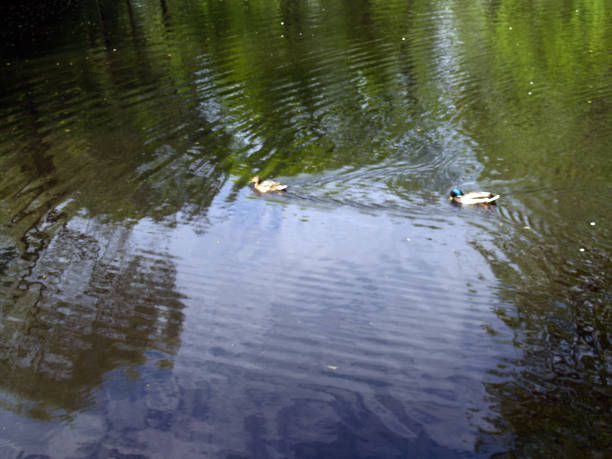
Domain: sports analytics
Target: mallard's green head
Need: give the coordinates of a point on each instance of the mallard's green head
(455, 192)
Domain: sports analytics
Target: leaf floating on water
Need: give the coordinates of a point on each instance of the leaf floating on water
(526, 227)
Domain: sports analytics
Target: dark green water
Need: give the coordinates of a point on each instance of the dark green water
(152, 305)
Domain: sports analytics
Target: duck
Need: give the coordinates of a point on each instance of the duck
(472, 198)
(267, 186)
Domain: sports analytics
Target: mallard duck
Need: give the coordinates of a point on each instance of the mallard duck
(267, 186)
(472, 198)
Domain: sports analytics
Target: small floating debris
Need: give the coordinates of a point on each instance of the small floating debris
(592, 223)
(526, 227)
(581, 249)
(332, 367)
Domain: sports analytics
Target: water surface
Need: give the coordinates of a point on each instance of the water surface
(154, 305)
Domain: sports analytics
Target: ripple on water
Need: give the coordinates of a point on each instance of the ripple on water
(324, 314)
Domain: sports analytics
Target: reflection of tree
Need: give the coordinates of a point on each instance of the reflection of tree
(300, 97)
(36, 178)
(556, 399)
(75, 304)
(66, 148)
(31, 24)
(88, 306)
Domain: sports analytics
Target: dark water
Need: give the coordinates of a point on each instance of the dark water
(152, 305)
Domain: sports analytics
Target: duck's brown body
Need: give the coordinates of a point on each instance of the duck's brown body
(267, 186)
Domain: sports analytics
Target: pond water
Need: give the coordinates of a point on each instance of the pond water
(153, 305)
